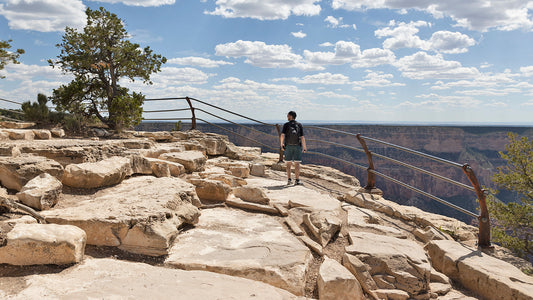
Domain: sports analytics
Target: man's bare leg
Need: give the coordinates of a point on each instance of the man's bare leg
(297, 170)
(289, 165)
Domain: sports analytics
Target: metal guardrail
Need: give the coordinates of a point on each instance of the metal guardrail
(483, 217)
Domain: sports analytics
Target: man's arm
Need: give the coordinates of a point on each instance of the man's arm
(304, 147)
(281, 139)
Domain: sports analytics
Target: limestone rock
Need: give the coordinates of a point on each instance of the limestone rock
(57, 132)
(140, 215)
(242, 244)
(115, 279)
(42, 134)
(175, 169)
(235, 202)
(430, 233)
(4, 135)
(487, 276)
(9, 150)
(193, 161)
(360, 271)
(365, 220)
(211, 190)
(228, 179)
(327, 223)
(41, 192)
(16, 125)
(40, 244)
(213, 146)
(21, 134)
(15, 172)
(403, 259)
(335, 282)
(440, 288)
(141, 165)
(251, 194)
(106, 172)
(257, 169)
(391, 294)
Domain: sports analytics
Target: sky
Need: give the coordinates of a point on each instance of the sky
(369, 61)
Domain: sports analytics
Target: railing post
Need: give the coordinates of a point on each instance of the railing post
(371, 178)
(483, 218)
(193, 120)
(280, 148)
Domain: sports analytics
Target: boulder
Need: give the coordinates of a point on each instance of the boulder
(361, 272)
(115, 279)
(403, 260)
(213, 146)
(193, 161)
(106, 172)
(235, 202)
(251, 194)
(430, 233)
(365, 220)
(140, 215)
(243, 244)
(336, 282)
(228, 179)
(242, 171)
(4, 135)
(21, 134)
(328, 225)
(42, 134)
(140, 165)
(57, 132)
(42, 192)
(9, 150)
(257, 169)
(211, 190)
(391, 294)
(15, 172)
(42, 244)
(485, 275)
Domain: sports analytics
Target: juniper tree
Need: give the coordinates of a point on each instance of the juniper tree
(7, 56)
(99, 56)
(514, 221)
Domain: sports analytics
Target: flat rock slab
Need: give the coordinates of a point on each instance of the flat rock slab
(402, 259)
(193, 161)
(114, 279)
(242, 244)
(140, 215)
(294, 196)
(98, 174)
(365, 220)
(15, 172)
(42, 244)
(487, 276)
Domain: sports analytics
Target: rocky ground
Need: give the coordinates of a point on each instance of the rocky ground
(188, 215)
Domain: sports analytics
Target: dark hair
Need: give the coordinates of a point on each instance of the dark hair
(292, 113)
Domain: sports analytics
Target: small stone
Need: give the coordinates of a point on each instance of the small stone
(257, 170)
(251, 194)
(57, 132)
(193, 161)
(211, 190)
(42, 134)
(106, 172)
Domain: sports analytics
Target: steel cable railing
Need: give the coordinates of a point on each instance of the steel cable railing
(484, 222)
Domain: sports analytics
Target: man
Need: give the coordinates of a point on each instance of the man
(292, 142)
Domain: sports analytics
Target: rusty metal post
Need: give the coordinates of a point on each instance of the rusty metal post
(193, 119)
(280, 148)
(371, 178)
(483, 218)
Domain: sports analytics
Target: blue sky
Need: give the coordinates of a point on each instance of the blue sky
(415, 61)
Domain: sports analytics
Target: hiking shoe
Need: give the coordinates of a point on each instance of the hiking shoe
(297, 182)
(289, 182)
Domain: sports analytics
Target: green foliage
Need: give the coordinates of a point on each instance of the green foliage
(98, 57)
(177, 126)
(38, 111)
(7, 56)
(513, 226)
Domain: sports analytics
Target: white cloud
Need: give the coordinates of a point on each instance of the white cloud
(176, 76)
(326, 44)
(320, 78)
(404, 35)
(480, 15)
(424, 66)
(265, 9)
(348, 52)
(337, 22)
(527, 71)
(483, 80)
(262, 55)
(144, 3)
(24, 72)
(438, 102)
(450, 42)
(376, 79)
(485, 65)
(299, 34)
(198, 62)
(43, 15)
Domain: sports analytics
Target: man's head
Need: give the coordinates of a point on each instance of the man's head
(291, 115)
